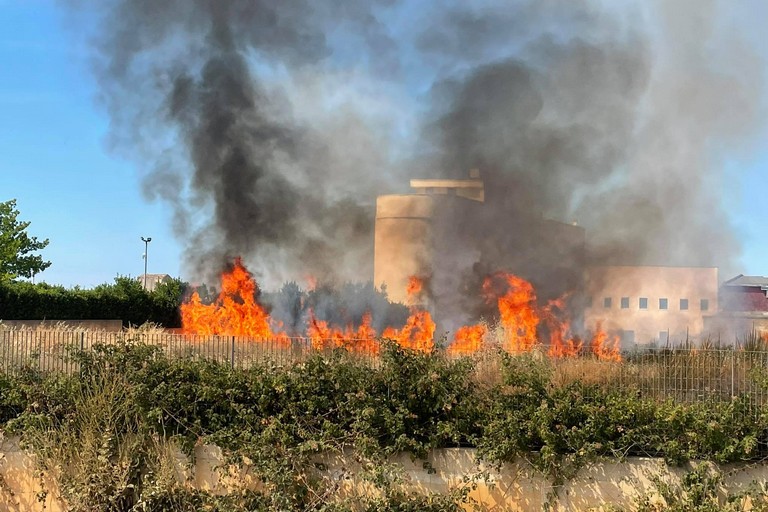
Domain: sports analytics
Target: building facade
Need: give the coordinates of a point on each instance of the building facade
(151, 281)
(743, 309)
(650, 304)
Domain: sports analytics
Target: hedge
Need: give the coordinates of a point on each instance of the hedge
(125, 300)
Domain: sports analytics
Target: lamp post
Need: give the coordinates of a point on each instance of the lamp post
(146, 250)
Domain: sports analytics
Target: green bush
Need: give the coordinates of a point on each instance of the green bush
(278, 420)
(126, 300)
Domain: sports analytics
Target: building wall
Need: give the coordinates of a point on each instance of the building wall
(743, 298)
(728, 327)
(651, 324)
(153, 280)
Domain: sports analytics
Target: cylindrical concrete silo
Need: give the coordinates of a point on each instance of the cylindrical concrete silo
(402, 242)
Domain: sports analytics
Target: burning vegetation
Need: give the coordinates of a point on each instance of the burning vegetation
(525, 325)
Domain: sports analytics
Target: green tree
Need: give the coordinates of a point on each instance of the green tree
(16, 246)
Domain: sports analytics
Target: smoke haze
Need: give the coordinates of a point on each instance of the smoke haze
(270, 127)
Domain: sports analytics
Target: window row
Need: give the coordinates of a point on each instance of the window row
(642, 303)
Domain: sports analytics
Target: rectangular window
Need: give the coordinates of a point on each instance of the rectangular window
(607, 302)
(683, 304)
(625, 303)
(643, 302)
(663, 336)
(704, 304)
(589, 301)
(663, 304)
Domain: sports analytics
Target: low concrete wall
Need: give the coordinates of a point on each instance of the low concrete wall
(513, 487)
(91, 325)
(22, 488)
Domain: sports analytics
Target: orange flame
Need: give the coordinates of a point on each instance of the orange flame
(362, 339)
(418, 333)
(517, 308)
(468, 339)
(415, 286)
(605, 349)
(415, 290)
(235, 311)
(556, 318)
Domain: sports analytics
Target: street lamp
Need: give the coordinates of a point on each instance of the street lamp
(146, 249)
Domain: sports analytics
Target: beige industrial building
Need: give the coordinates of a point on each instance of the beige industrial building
(454, 232)
(646, 304)
(451, 230)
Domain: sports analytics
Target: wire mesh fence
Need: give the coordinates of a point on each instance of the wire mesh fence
(685, 374)
(54, 351)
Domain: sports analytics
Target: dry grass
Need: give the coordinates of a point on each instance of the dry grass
(99, 457)
(588, 370)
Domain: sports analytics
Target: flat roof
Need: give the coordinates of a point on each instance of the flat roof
(444, 183)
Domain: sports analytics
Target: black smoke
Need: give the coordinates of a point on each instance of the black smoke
(270, 127)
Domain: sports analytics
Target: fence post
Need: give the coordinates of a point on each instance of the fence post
(82, 341)
(233, 351)
(733, 357)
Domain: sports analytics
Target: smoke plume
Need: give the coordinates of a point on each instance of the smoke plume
(270, 127)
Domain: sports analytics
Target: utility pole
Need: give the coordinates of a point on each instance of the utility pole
(146, 250)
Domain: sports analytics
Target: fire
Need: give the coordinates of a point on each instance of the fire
(235, 311)
(468, 339)
(561, 343)
(362, 339)
(569, 348)
(605, 349)
(517, 308)
(418, 333)
(415, 287)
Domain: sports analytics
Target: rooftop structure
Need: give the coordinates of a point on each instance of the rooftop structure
(472, 188)
(153, 280)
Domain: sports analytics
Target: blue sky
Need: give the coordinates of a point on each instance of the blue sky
(55, 162)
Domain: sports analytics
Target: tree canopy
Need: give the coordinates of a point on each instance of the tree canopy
(17, 247)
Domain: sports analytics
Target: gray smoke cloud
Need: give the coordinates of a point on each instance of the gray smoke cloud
(263, 143)
(270, 127)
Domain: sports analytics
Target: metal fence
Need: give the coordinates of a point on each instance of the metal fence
(53, 351)
(682, 374)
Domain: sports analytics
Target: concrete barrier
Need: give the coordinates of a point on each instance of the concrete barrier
(609, 484)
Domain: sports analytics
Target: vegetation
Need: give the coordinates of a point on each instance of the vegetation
(341, 305)
(16, 246)
(125, 299)
(107, 432)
